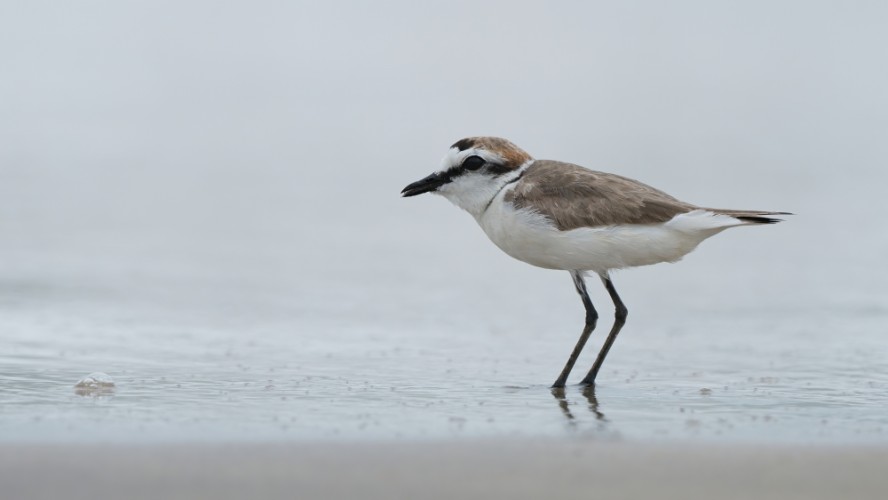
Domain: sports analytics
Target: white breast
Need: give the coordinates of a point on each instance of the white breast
(532, 238)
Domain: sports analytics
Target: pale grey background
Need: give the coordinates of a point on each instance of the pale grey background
(209, 190)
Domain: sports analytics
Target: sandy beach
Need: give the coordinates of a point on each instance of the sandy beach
(488, 469)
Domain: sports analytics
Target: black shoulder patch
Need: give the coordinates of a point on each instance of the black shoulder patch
(499, 168)
(463, 144)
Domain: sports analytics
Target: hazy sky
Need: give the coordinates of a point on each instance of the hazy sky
(714, 86)
(157, 128)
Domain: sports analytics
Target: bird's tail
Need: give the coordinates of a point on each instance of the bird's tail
(750, 216)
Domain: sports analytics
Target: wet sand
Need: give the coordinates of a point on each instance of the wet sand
(487, 469)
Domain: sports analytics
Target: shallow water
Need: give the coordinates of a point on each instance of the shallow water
(215, 224)
(725, 375)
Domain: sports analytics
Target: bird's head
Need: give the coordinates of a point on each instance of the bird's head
(472, 172)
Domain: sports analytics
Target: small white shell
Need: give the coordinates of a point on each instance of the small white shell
(94, 384)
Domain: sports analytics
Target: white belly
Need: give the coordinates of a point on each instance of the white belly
(532, 238)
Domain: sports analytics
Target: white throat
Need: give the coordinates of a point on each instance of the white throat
(474, 191)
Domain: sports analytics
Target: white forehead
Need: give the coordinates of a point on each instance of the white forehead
(455, 157)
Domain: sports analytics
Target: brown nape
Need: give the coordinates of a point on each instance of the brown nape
(572, 197)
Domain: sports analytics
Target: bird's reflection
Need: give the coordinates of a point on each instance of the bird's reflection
(558, 392)
(588, 392)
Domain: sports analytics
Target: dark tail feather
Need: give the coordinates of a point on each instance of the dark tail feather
(756, 219)
(751, 216)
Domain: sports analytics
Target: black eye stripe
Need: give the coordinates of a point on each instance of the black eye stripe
(473, 163)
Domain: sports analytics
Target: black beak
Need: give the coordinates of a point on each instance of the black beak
(426, 185)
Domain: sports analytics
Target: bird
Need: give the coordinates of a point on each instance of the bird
(558, 215)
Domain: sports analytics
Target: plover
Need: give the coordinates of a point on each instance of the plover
(557, 215)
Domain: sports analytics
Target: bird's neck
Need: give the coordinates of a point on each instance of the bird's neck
(474, 194)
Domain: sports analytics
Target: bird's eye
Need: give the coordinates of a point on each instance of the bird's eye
(473, 163)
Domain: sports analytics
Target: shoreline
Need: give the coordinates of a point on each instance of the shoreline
(511, 469)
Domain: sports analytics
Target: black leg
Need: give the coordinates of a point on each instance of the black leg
(620, 313)
(591, 319)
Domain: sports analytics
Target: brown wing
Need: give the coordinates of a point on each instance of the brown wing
(573, 196)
